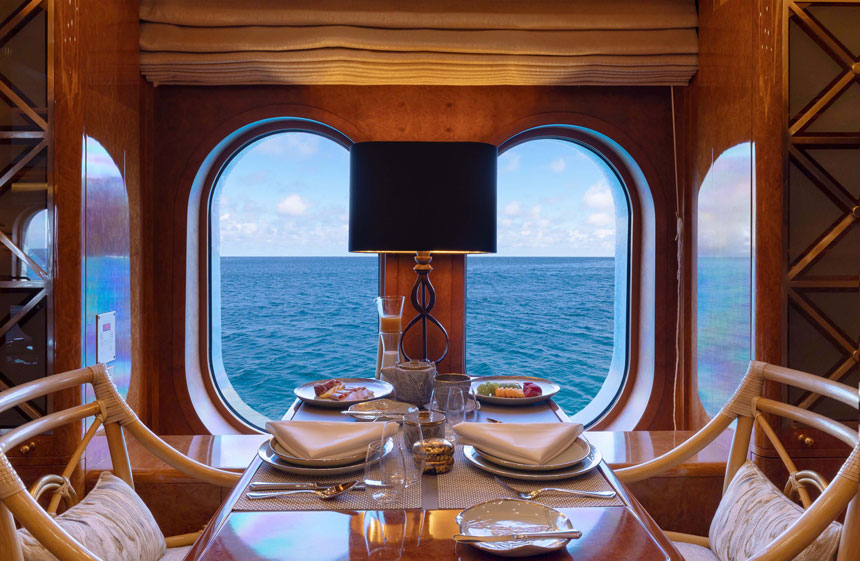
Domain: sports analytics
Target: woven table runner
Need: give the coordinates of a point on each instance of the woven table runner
(351, 500)
(467, 485)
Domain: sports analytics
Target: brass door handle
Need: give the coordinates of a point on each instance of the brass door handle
(27, 448)
(807, 441)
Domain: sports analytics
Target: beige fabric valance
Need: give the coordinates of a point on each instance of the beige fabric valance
(485, 42)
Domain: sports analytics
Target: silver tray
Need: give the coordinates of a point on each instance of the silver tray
(548, 387)
(589, 463)
(379, 388)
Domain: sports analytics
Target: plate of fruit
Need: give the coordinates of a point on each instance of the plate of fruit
(513, 390)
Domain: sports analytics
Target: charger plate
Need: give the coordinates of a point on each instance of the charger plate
(509, 516)
(269, 457)
(283, 454)
(379, 388)
(575, 453)
(591, 461)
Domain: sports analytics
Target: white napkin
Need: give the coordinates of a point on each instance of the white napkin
(325, 440)
(525, 443)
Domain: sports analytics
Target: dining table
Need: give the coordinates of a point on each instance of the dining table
(422, 528)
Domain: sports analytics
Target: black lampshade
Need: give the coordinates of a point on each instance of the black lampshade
(422, 196)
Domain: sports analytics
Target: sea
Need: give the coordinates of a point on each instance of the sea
(289, 320)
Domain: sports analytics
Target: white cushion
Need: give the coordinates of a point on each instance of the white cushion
(176, 553)
(692, 552)
(753, 512)
(111, 521)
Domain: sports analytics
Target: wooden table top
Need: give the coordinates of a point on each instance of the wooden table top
(609, 533)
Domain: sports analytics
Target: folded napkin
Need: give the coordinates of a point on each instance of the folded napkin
(326, 440)
(525, 443)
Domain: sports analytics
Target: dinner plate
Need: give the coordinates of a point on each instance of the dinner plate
(589, 463)
(548, 387)
(269, 457)
(283, 454)
(379, 389)
(572, 455)
(510, 516)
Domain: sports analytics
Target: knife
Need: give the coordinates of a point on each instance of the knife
(286, 486)
(562, 534)
(373, 413)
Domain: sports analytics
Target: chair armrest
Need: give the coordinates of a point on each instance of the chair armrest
(182, 540)
(679, 455)
(178, 460)
(688, 538)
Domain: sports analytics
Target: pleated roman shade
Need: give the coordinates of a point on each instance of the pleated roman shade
(429, 42)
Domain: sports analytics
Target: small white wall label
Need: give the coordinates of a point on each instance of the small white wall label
(106, 337)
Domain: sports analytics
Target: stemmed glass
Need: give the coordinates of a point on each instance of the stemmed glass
(385, 470)
(452, 403)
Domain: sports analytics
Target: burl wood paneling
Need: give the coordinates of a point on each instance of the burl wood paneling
(187, 122)
(713, 114)
(111, 123)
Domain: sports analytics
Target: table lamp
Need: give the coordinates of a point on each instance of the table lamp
(422, 198)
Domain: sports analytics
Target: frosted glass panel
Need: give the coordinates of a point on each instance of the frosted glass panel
(724, 276)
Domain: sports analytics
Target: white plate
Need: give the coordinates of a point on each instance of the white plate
(509, 516)
(379, 388)
(574, 454)
(589, 463)
(268, 456)
(388, 405)
(548, 387)
(282, 453)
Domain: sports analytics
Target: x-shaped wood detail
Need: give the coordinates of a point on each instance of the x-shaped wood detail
(38, 134)
(837, 51)
(848, 204)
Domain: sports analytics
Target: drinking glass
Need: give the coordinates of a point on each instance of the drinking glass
(385, 471)
(411, 439)
(455, 411)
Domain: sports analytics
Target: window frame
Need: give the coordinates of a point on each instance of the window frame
(613, 386)
(644, 389)
(209, 317)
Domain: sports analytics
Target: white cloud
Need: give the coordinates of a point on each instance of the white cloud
(512, 208)
(509, 162)
(599, 219)
(292, 205)
(301, 145)
(558, 165)
(598, 196)
(604, 233)
(535, 211)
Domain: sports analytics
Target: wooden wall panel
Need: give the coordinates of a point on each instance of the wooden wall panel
(187, 122)
(96, 95)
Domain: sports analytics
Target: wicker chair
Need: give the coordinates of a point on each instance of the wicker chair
(747, 406)
(108, 410)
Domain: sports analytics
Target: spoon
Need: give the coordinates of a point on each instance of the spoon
(324, 494)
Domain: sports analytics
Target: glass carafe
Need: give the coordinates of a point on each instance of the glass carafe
(390, 309)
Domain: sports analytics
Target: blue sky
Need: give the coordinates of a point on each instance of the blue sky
(287, 194)
(724, 205)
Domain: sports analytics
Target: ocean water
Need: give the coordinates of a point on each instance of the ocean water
(288, 320)
(723, 327)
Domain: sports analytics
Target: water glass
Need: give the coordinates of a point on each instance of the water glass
(411, 439)
(455, 411)
(385, 471)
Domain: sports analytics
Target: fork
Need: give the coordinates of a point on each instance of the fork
(532, 494)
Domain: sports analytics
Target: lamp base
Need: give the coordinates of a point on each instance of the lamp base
(423, 299)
